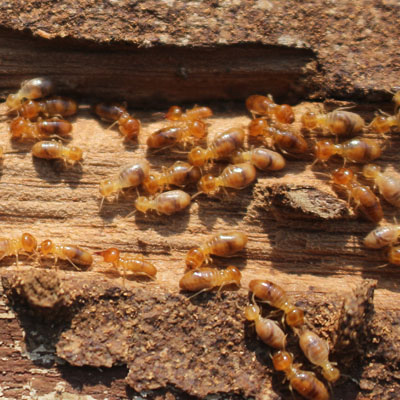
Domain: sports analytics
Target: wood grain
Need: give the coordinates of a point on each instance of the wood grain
(296, 238)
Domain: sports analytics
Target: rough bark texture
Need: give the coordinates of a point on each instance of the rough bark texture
(293, 50)
(66, 333)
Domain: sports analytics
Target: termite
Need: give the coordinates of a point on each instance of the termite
(223, 244)
(267, 329)
(388, 184)
(360, 150)
(134, 265)
(274, 295)
(179, 174)
(261, 158)
(13, 247)
(382, 236)
(285, 139)
(224, 144)
(175, 113)
(304, 382)
(56, 150)
(53, 106)
(128, 126)
(237, 176)
(32, 89)
(337, 122)
(73, 254)
(166, 203)
(23, 129)
(263, 105)
(204, 279)
(317, 352)
(362, 195)
(130, 176)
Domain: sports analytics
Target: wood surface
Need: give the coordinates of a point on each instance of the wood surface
(302, 235)
(70, 334)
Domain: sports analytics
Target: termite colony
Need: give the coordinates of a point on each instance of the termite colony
(39, 117)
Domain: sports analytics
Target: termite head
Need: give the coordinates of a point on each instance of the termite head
(150, 184)
(46, 247)
(257, 126)
(13, 101)
(75, 153)
(195, 258)
(235, 274)
(295, 317)
(198, 129)
(174, 113)
(29, 243)
(110, 255)
(309, 120)
(197, 156)
(342, 176)
(282, 360)
(207, 184)
(394, 255)
(284, 113)
(331, 373)
(107, 187)
(371, 171)
(18, 126)
(143, 204)
(324, 149)
(252, 312)
(259, 104)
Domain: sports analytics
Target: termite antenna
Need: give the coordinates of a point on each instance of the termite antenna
(199, 292)
(130, 214)
(322, 174)
(196, 194)
(381, 266)
(112, 125)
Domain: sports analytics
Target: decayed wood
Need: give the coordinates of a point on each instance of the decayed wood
(301, 235)
(352, 46)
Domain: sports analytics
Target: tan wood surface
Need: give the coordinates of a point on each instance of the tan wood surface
(312, 247)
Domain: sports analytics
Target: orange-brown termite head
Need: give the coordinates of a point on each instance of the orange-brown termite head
(108, 187)
(252, 312)
(198, 129)
(258, 126)
(284, 113)
(28, 242)
(110, 255)
(129, 126)
(342, 176)
(394, 255)
(294, 316)
(258, 104)
(207, 184)
(75, 153)
(194, 258)
(197, 156)
(174, 113)
(282, 360)
(46, 247)
(309, 120)
(324, 150)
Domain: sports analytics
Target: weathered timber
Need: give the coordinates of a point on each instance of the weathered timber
(302, 235)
